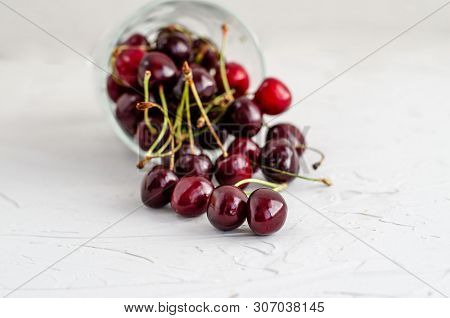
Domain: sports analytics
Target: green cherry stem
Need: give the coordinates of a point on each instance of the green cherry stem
(165, 122)
(188, 115)
(223, 70)
(275, 186)
(325, 181)
(188, 76)
(147, 76)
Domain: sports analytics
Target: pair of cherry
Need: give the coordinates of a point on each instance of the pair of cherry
(227, 206)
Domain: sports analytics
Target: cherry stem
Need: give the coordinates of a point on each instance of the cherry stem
(317, 164)
(147, 76)
(165, 122)
(188, 115)
(223, 70)
(188, 76)
(325, 181)
(275, 186)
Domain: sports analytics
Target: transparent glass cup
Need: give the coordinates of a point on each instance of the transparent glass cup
(203, 19)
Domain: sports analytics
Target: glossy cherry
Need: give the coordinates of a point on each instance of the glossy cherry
(191, 195)
(127, 114)
(205, 53)
(163, 69)
(273, 97)
(194, 165)
(207, 141)
(280, 155)
(126, 66)
(185, 149)
(237, 76)
(234, 168)
(247, 147)
(157, 187)
(203, 81)
(136, 39)
(289, 132)
(227, 207)
(243, 118)
(115, 90)
(175, 44)
(266, 211)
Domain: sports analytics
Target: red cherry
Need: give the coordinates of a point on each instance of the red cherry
(160, 65)
(234, 168)
(289, 132)
(203, 81)
(157, 187)
(237, 76)
(127, 114)
(175, 44)
(267, 211)
(227, 208)
(127, 64)
(248, 148)
(115, 90)
(136, 39)
(205, 53)
(243, 118)
(207, 141)
(273, 97)
(279, 154)
(194, 165)
(190, 196)
(185, 149)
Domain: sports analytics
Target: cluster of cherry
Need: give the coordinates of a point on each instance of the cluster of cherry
(194, 100)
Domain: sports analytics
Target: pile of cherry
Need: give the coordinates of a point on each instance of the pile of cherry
(178, 96)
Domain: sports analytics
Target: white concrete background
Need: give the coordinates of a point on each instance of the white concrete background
(384, 125)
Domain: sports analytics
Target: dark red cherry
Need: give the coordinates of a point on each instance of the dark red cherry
(191, 195)
(237, 76)
(243, 118)
(273, 97)
(206, 139)
(227, 208)
(126, 65)
(136, 39)
(266, 211)
(289, 132)
(157, 187)
(194, 165)
(115, 90)
(163, 69)
(203, 81)
(234, 168)
(146, 138)
(205, 53)
(127, 114)
(175, 44)
(185, 149)
(247, 147)
(279, 154)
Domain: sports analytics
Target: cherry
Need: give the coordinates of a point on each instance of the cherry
(272, 96)
(194, 165)
(127, 114)
(289, 132)
(243, 118)
(190, 196)
(157, 187)
(207, 141)
(115, 90)
(204, 83)
(175, 44)
(162, 68)
(227, 208)
(238, 79)
(136, 39)
(234, 168)
(205, 53)
(185, 149)
(146, 138)
(126, 65)
(248, 148)
(267, 211)
(277, 156)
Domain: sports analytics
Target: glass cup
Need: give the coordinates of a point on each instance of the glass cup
(203, 19)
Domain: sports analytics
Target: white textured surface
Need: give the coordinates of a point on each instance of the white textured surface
(384, 126)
